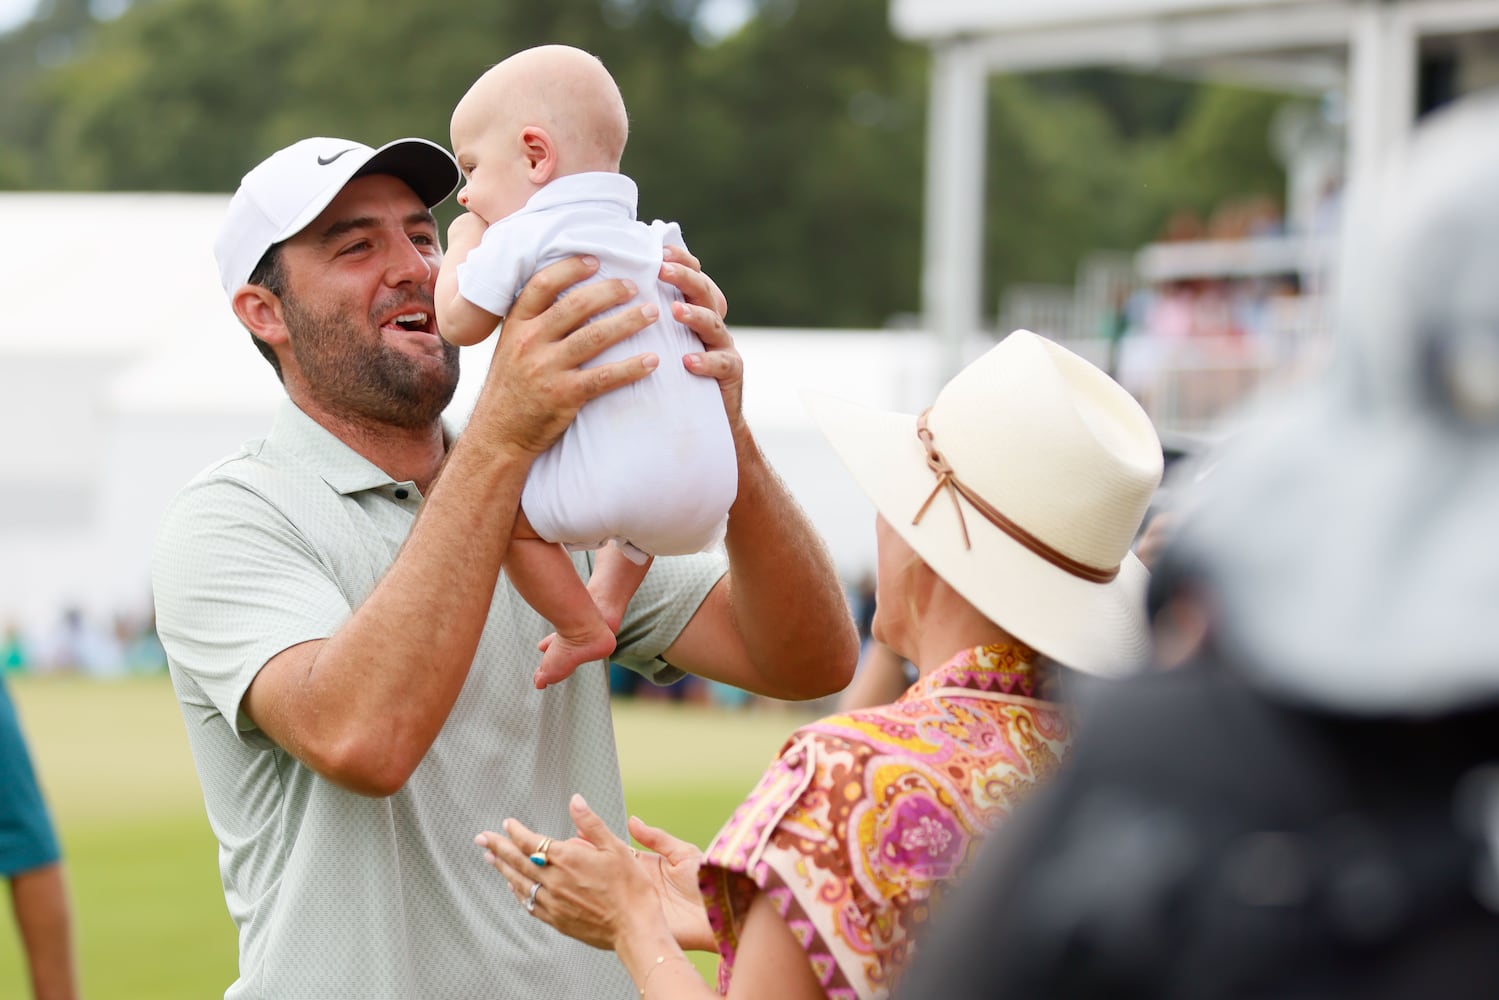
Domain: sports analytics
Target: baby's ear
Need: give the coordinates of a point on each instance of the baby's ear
(540, 153)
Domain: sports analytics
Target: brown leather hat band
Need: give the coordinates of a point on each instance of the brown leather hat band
(947, 479)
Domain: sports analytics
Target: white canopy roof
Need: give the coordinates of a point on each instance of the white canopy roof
(123, 372)
(933, 19)
(1367, 48)
(120, 274)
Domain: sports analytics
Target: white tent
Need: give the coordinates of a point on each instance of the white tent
(123, 373)
(97, 282)
(1368, 49)
(173, 413)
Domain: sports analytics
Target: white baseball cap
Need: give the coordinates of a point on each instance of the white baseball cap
(292, 186)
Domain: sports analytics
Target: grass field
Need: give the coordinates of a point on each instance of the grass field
(149, 913)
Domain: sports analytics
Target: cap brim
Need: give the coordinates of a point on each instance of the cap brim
(426, 167)
(429, 169)
(1098, 628)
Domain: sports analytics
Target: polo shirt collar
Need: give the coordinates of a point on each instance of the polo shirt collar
(342, 468)
(616, 191)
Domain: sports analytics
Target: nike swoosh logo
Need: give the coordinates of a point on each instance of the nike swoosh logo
(323, 161)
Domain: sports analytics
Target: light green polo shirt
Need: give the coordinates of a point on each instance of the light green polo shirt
(336, 894)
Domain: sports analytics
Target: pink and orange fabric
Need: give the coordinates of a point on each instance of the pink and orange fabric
(863, 818)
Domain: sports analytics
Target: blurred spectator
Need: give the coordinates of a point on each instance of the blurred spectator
(14, 657)
(1308, 807)
(32, 864)
(881, 677)
(861, 601)
(689, 689)
(1228, 304)
(1328, 218)
(141, 648)
(74, 644)
(77, 644)
(623, 682)
(1246, 218)
(1184, 224)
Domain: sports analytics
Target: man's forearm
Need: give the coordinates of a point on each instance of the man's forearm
(363, 706)
(784, 591)
(404, 654)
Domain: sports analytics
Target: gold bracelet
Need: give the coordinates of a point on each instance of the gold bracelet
(646, 979)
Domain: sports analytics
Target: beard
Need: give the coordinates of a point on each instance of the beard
(358, 377)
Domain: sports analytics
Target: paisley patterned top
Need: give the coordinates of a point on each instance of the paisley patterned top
(862, 817)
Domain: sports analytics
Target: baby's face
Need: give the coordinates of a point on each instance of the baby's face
(493, 164)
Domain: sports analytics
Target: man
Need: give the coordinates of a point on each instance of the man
(31, 863)
(356, 685)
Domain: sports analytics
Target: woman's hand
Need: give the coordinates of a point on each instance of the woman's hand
(592, 888)
(672, 866)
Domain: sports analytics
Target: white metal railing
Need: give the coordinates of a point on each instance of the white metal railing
(1194, 385)
(1193, 329)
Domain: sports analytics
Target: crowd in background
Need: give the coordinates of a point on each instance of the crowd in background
(80, 644)
(1240, 298)
(694, 690)
(126, 644)
(1252, 303)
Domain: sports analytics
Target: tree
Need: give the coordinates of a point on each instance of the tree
(57, 31)
(805, 132)
(792, 152)
(1222, 150)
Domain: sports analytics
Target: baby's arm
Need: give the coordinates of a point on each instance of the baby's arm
(459, 320)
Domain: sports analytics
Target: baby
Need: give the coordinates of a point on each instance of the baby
(645, 470)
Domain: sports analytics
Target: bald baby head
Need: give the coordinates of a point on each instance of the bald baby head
(563, 90)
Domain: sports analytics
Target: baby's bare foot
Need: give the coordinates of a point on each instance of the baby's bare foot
(561, 655)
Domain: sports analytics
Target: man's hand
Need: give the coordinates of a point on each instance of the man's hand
(535, 385)
(777, 624)
(703, 313)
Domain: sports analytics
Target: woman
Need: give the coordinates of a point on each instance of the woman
(1006, 513)
(1306, 805)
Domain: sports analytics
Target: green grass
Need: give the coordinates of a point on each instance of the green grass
(149, 913)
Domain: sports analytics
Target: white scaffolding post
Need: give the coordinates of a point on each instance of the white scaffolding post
(1381, 87)
(953, 250)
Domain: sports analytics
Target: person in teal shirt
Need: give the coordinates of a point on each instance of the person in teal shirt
(13, 656)
(31, 862)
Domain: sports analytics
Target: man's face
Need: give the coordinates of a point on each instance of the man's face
(359, 310)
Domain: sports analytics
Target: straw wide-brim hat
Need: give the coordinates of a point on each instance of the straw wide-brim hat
(1052, 465)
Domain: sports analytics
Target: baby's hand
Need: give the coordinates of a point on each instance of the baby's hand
(465, 232)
